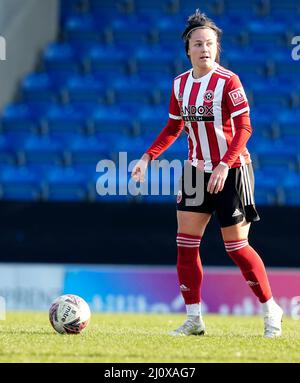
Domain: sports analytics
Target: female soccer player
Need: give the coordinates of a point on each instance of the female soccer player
(209, 102)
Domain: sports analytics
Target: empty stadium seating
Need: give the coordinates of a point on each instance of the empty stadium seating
(103, 88)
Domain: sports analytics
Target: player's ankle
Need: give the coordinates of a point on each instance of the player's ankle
(195, 318)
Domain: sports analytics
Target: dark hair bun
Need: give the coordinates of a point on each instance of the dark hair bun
(199, 19)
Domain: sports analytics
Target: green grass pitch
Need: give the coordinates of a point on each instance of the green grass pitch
(116, 338)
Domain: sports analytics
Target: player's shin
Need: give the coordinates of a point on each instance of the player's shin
(252, 267)
(190, 272)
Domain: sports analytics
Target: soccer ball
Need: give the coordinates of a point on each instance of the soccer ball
(69, 314)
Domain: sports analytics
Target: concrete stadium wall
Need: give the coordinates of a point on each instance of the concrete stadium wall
(27, 26)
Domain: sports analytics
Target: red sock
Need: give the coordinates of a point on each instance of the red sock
(189, 267)
(252, 267)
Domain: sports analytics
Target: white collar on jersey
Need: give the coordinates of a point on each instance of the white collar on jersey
(215, 66)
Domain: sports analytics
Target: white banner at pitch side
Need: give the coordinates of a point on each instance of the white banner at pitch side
(152, 289)
(30, 286)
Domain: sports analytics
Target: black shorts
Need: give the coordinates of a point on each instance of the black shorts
(234, 203)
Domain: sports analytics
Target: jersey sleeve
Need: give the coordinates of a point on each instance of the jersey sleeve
(170, 132)
(166, 138)
(243, 132)
(174, 110)
(235, 97)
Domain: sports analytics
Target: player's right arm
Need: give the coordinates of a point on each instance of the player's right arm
(165, 139)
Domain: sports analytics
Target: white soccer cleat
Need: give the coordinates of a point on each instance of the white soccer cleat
(272, 322)
(190, 327)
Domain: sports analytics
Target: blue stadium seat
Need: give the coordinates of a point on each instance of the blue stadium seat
(7, 154)
(62, 121)
(154, 59)
(293, 26)
(291, 189)
(74, 5)
(291, 196)
(234, 36)
(131, 29)
(267, 93)
(289, 123)
(19, 118)
(267, 185)
(107, 6)
(133, 88)
(61, 57)
(287, 81)
(133, 146)
(19, 184)
(245, 62)
(187, 8)
(109, 60)
(278, 8)
(266, 33)
(155, 6)
(284, 161)
(262, 124)
(65, 184)
(288, 130)
(238, 8)
(162, 88)
(41, 87)
(265, 196)
(42, 149)
(152, 119)
(283, 63)
(110, 119)
(85, 88)
(169, 30)
(70, 7)
(83, 27)
(269, 110)
(86, 108)
(87, 150)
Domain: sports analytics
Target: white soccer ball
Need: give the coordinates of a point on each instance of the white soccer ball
(69, 314)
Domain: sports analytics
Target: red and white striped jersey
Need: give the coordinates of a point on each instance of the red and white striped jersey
(207, 106)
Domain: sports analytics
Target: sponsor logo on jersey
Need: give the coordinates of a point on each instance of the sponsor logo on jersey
(204, 113)
(237, 96)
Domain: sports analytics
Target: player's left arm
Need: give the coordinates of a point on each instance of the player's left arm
(236, 102)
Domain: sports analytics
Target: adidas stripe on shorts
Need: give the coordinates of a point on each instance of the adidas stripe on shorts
(234, 203)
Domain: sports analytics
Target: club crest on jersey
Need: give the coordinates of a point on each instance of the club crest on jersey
(208, 96)
(237, 96)
(180, 97)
